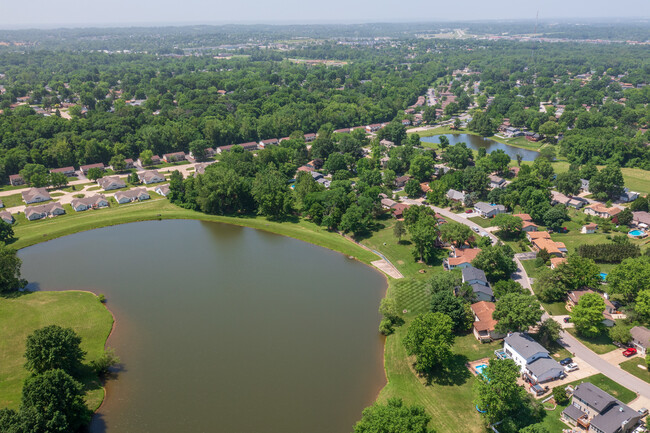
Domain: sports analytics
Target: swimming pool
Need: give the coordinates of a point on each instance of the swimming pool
(603, 276)
(480, 369)
(636, 233)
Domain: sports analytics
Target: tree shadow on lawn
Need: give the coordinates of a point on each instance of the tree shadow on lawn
(454, 373)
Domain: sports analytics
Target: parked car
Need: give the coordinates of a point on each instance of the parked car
(476, 229)
(630, 351)
(567, 319)
(643, 411)
(566, 361)
(571, 367)
(469, 210)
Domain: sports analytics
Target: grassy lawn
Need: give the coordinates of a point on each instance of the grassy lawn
(13, 200)
(609, 386)
(21, 315)
(632, 367)
(635, 178)
(600, 344)
(401, 254)
(482, 222)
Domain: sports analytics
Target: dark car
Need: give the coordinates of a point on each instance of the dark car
(567, 319)
(566, 361)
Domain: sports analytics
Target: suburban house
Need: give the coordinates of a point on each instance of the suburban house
(135, 194)
(43, 210)
(484, 324)
(533, 360)
(497, 182)
(174, 157)
(557, 261)
(268, 142)
(628, 196)
(487, 210)
(425, 187)
(609, 315)
(460, 258)
(596, 411)
(523, 216)
(310, 137)
(398, 210)
(584, 185)
(374, 127)
(641, 219)
(640, 337)
(387, 203)
(7, 217)
(479, 283)
(155, 159)
(16, 179)
(128, 163)
(246, 146)
(574, 202)
(387, 143)
(84, 168)
(68, 171)
(454, 195)
(401, 181)
(542, 241)
(36, 195)
(151, 176)
(527, 222)
(111, 182)
(589, 228)
(92, 202)
(162, 190)
(602, 211)
(342, 131)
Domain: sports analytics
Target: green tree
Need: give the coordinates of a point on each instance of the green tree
(95, 173)
(6, 231)
(458, 234)
(457, 156)
(497, 391)
(608, 183)
(424, 234)
(198, 149)
(621, 333)
(560, 396)
(516, 312)
(10, 265)
(35, 175)
(628, 278)
(576, 273)
(272, 194)
(399, 230)
(145, 157)
(642, 304)
(57, 180)
(444, 301)
(503, 287)
(588, 315)
(393, 417)
(443, 281)
(496, 261)
(53, 348)
(118, 163)
(413, 189)
(421, 167)
(429, 337)
(625, 217)
(554, 217)
(107, 360)
(355, 220)
(53, 402)
(568, 183)
(548, 332)
(509, 226)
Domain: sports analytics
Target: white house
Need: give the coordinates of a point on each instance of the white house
(135, 194)
(36, 195)
(162, 190)
(487, 210)
(533, 360)
(92, 202)
(111, 182)
(151, 176)
(589, 228)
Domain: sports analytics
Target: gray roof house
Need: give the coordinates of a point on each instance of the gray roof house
(487, 210)
(454, 195)
(43, 210)
(162, 190)
(130, 195)
(496, 181)
(479, 283)
(92, 202)
(110, 182)
(584, 185)
(531, 357)
(641, 217)
(151, 176)
(640, 338)
(6, 217)
(598, 412)
(36, 195)
(628, 196)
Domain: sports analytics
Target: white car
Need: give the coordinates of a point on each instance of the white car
(476, 229)
(571, 367)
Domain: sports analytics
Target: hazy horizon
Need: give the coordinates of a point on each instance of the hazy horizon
(149, 13)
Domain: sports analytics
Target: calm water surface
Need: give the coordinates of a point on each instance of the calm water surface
(475, 142)
(224, 329)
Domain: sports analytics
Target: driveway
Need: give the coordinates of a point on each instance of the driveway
(616, 357)
(531, 255)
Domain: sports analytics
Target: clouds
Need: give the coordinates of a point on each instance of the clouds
(48, 13)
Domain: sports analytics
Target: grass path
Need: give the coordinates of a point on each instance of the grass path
(22, 314)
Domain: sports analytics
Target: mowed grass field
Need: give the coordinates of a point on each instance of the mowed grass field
(22, 314)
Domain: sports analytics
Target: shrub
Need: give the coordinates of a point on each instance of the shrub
(559, 394)
(609, 253)
(102, 364)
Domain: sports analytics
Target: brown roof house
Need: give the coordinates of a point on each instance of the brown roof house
(111, 182)
(484, 323)
(460, 258)
(36, 195)
(398, 210)
(602, 211)
(135, 194)
(16, 179)
(609, 315)
(44, 210)
(589, 228)
(174, 157)
(641, 339)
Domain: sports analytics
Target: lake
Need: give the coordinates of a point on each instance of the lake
(476, 142)
(224, 329)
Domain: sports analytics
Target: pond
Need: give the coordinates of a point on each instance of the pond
(475, 142)
(224, 329)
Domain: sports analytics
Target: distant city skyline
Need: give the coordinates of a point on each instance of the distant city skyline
(76, 13)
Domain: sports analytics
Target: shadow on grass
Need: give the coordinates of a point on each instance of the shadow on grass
(454, 373)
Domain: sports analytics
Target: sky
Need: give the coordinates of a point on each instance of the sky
(88, 13)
